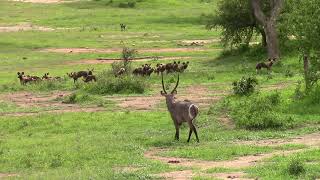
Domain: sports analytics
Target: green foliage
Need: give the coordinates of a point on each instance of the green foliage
(236, 19)
(108, 84)
(303, 22)
(296, 167)
(127, 4)
(244, 86)
(259, 112)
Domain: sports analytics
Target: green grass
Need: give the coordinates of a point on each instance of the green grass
(96, 145)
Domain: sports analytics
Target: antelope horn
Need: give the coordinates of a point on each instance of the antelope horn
(176, 85)
(164, 90)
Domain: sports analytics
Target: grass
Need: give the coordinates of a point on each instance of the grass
(96, 145)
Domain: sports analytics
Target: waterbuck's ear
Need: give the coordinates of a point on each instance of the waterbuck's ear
(22, 73)
(18, 73)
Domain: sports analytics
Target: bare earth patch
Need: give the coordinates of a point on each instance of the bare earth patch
(6, 175)
(118, 50)
(310, 140)
(24, 27)
(44, 102)
(199, 94)
(111, 60)
(43, 1)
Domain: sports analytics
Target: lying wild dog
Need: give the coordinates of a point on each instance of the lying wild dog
(266, 65)
(76, 75)
(90, 78)
(24, 79)
(120, 72)
(47, 77)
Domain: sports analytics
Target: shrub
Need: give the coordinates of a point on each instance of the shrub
(108, 84)
(245, 86)
(127, 4)
(288, 73)
(259, 112)
(296, 167)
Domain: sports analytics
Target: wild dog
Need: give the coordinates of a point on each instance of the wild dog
(183, 66)
(24, 79)
(90, 78)
(120, 72)
(47, 77)
(123, 27)
(76, 75)
(266, 65)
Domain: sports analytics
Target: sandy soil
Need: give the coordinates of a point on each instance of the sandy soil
(111, 60)
(118, 50)
(46, 101)
(24, 27)
(43, 1)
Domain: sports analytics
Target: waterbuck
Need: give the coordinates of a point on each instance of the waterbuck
(180, 111)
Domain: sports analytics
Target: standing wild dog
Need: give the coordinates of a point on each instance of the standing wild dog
(266, 65)
(24, 79)
(123, 27)
(90, 78)
(180, 111)
(76, 75)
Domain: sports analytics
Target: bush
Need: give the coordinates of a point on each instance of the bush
(127, 4)
(245, 86)
(108, 84)
(296, 167)
(259, 112)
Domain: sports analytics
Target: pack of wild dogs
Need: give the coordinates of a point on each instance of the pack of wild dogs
(88, 76)
(147, 70)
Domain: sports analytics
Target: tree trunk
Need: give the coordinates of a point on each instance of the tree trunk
(263, 37)
(272, 40)
(269, 25)
(306, 72)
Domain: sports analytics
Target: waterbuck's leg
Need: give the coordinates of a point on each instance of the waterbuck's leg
(190, 132)
(177, 133)
(195, 132)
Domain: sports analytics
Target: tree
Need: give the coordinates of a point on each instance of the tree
(237, 21)
(304, 24)
(268, 21)
(240, 19)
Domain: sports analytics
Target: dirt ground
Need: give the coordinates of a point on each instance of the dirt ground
(111, 60)
(24, 27)
(118, 50)
(48, 103)
(42, 1)
(310, 140)
(200, 95)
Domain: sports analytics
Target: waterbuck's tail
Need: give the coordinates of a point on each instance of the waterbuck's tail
(193, 111)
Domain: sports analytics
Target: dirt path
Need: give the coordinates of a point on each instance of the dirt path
(118, 50)
(24, 27)
(310, 140)
(111, 60)
(43, 1)
(43, 103)
(6, 175)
